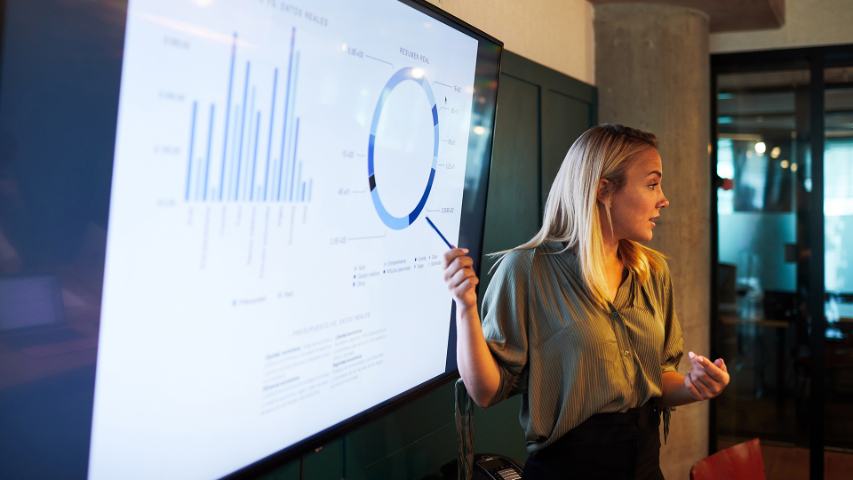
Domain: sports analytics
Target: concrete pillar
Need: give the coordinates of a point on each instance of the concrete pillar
(652, 72)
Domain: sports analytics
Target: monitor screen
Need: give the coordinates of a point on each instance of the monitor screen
(223, 224)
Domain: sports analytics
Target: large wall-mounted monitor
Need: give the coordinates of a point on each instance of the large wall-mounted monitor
(218, 219)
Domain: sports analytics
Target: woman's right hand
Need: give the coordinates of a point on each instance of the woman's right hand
(477, 366)
(460, 277)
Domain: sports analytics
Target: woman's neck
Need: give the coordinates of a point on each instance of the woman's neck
(613, 268)
(611, 254)
(610, 244)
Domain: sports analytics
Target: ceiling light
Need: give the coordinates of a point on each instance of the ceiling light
(775, 152)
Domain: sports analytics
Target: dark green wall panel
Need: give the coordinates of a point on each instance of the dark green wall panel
(564, 118)
(496, 430)
(287, 472)
(422, 459)
(326, 464)
(376, 441)
(512, 209)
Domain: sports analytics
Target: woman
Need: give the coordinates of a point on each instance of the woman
(580, 319)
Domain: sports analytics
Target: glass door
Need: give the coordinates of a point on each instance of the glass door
(838, 271)
(782, 314)
(761, 330)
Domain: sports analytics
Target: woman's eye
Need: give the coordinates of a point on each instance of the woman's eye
(653, 186)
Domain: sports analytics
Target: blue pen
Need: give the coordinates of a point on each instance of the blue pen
(438, 232)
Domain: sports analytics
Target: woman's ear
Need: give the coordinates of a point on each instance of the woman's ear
(604, 191)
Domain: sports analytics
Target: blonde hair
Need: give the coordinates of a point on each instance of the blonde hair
(572, 215)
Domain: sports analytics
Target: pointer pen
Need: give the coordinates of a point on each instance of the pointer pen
(439, 233)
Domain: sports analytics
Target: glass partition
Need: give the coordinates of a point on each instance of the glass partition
(762, 134)
(782, 314)
(838, 259)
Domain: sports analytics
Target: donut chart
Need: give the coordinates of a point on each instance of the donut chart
(405, 74)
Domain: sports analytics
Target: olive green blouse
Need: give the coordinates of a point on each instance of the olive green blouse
(568, 357)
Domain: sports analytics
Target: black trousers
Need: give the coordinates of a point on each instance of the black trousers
(607, 446)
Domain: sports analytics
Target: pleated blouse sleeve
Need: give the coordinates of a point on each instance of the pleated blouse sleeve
(673, 343)
(505, 317)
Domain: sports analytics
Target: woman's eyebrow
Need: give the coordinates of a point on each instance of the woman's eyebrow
(655, 172)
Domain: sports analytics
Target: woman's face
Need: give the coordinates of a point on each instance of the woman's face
(636, 206)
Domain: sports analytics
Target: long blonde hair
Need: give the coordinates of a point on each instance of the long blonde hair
(572, 215)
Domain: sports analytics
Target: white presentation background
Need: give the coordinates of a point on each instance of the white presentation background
(252, 303)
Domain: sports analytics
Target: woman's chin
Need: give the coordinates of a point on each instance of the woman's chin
(643, 237)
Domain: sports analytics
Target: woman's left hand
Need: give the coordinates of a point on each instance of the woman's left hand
(706, 379)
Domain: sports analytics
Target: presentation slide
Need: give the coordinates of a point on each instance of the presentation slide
(270, 270)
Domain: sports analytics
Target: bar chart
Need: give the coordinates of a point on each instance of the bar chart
(246, 133)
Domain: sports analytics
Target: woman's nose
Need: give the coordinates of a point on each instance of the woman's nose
(663, 203)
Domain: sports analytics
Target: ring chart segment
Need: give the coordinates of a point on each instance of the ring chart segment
(403, 75)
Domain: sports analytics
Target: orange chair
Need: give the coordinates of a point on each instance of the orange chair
(738, 462)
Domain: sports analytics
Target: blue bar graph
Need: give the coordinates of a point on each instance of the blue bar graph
(242, 131)
(207, 159)
(251, 187)
(269, 135)
(285, 122)
(243, 173)
(293, 173)
(246, 174)
(227, 115)
(190, 156)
